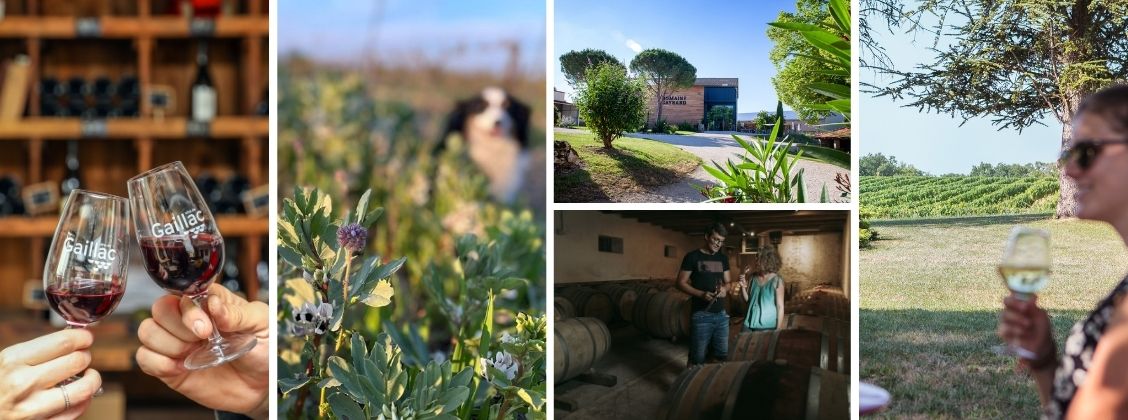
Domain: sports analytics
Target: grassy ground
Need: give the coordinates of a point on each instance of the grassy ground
(634, 165)
(930, 299)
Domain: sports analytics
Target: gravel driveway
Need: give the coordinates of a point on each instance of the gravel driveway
(720, 147)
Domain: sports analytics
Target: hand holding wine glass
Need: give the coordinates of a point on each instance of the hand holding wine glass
(182, 250)
(30, 373)
(1025, 269)
(84, 275)
(176, 329)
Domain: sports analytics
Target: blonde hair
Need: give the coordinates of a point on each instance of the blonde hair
(769, 259)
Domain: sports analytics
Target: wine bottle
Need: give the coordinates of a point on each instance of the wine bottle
(71, 180)
(203, 94)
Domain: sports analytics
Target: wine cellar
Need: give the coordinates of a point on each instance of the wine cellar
(93, 92)
(622, 327)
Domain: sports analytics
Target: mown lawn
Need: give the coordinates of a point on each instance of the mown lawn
(633, 165)
(930, 299)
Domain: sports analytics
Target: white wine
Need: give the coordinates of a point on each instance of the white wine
(1025, 280)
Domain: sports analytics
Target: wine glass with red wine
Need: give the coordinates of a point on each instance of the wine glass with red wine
(84, 276)
(183, 250)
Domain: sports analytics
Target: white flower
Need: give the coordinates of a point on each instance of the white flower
(310, 318)
(503, 362)
(508, 339)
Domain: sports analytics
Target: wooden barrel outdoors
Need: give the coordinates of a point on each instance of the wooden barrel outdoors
(580, 342)
(590, 302)
(563, 308)
(829, 326)
(762, 390)
(663, 314)
(797, 347)
(622, 298)
(826, 302)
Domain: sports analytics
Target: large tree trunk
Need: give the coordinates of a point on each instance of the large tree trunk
(1066, 203)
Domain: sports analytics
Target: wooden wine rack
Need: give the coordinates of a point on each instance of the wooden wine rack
(158, 50)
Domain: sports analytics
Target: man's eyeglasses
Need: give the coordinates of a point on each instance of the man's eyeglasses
(716, 241)
(1085, 152)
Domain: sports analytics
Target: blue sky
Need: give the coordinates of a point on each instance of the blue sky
(936, 143)
(720, 38)
(404, 30)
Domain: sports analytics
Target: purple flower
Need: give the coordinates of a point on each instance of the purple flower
(352, 237)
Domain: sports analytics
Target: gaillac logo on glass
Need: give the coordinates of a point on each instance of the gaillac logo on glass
(191, 221)
(94, 251)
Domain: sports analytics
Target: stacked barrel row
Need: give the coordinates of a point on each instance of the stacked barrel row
(653, 307)
(798, 371)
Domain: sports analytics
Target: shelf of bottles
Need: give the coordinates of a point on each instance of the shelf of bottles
(93, 92)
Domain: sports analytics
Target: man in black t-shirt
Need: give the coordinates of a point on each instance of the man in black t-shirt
(704, 276)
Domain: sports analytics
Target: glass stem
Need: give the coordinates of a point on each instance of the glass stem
(215, 339)
(74, 378)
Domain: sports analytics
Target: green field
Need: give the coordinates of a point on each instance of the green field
(634, 165)
(898, 197)
(930, 300)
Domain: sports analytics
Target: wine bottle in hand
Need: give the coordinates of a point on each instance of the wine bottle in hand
(182, 249)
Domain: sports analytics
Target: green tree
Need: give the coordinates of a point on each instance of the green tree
(575, 64)
(1012, 61)
(877, 164)
(664, 72)
(800, 64)
(763, 120)
(610, 102)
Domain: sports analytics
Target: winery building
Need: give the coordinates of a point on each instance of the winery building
(693, 104)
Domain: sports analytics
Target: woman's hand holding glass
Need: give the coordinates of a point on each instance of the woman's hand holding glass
(31, 372)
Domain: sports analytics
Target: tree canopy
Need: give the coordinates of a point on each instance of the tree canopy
(575, 64)
(877, 164)
(799, 63)
(664, 72)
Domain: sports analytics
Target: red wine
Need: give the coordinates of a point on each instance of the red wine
(83, 302)
(181, 265)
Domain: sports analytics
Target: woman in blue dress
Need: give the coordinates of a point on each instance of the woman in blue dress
(764, 292)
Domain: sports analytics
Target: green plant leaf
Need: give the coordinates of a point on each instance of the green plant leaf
(840, 11)
(825, 155)
(343, 372)
(381, 295)
(835, 91)
(287, 385)
(345, 408)
(532, 398)
(362, 208)
(796, 26)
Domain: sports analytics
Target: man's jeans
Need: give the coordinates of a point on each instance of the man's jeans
(708, 327)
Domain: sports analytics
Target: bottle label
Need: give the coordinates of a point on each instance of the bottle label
(191, 221)
(203, 103)
(94, 251)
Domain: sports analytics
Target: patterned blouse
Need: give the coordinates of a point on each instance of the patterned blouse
(1078, 356)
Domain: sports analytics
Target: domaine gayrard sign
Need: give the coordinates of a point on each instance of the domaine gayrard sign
(673, 100)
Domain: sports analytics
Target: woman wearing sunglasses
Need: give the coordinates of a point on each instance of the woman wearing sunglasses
(1090, 378)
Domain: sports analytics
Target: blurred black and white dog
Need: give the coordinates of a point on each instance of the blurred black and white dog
(495, 128)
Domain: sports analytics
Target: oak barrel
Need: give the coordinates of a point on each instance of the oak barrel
(826, 325)
(762, 390)
(580, 342)
(663, 314)
(590, 302)
(622, 298)
(820, 301)
(797, 347)
(563, 308)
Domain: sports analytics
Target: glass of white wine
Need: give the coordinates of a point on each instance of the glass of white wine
(1025, 269)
